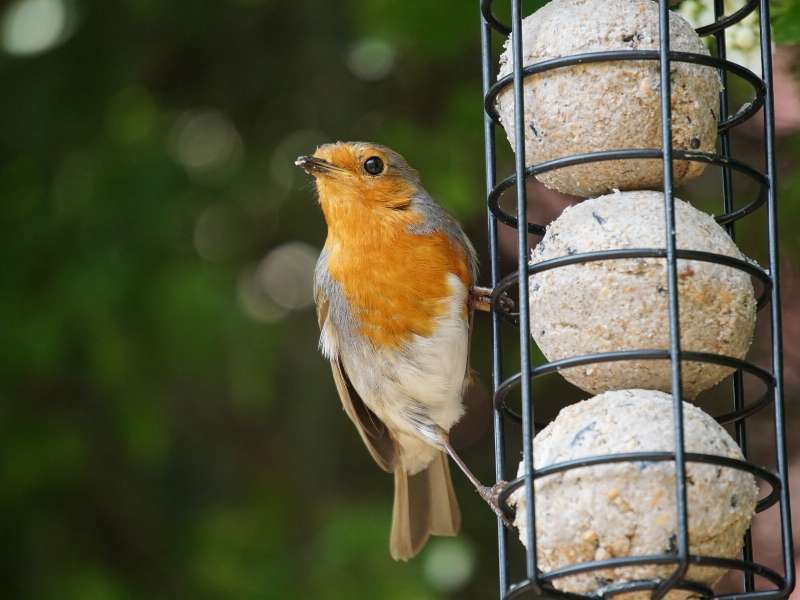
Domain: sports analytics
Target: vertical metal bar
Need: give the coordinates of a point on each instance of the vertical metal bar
(522, 265)
(741, 439)
(775, 294)
(674, 329)
(724, 136)
(737, 387)
(494, 277)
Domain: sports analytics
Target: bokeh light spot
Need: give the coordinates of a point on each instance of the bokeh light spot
(254, 300)
(287, 275)
(371, 59)
(206, 141)
(216, 234)
(31, 27)
(281, 282)
(449, 563)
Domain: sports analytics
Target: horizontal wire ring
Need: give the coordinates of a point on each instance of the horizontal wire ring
(643, 457)
(526, 588)
(744, 113)
(529, 589)
(626, 355)
(723, 23)
(631, 153)
(510, 280)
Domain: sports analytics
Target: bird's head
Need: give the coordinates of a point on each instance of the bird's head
(361, 178)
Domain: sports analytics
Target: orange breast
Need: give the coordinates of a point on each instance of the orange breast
(395, 281)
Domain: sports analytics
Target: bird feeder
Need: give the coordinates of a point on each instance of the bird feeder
(679, 462)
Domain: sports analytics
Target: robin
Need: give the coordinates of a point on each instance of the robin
(394, 289)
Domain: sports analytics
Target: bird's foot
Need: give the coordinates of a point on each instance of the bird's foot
(480, 298)
(491, 496)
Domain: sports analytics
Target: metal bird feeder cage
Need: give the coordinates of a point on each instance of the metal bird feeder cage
(539, 583)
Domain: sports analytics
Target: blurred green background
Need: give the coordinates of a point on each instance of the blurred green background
(167, 427)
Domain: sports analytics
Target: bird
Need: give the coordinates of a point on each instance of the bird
(395, 292)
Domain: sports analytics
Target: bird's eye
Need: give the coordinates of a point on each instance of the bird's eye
(373, 165)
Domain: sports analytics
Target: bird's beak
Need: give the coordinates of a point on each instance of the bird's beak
(313, 165)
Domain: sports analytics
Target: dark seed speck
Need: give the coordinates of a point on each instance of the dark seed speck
(580, 435)
(673, 544)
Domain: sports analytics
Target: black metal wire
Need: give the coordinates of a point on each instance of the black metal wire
(718, 25)
(652, 153)
(627, 355)
(494, 275)
(759, 274)
(629, 561)
(536, 583)
(775, 303)
(647, 457)
(737, 385)
(744, 113)
(523, 305)
(722, 22)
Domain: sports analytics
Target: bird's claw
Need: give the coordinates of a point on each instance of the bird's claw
(491, 496)
(506, 303)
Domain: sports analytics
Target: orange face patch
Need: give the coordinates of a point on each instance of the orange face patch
(353, 184)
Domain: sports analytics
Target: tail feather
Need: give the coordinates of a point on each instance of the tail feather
(424, 505)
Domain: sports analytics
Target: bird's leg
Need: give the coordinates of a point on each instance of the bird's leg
(489, 494)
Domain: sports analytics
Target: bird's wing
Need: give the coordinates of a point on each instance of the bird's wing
(375, 434)
(477, 402)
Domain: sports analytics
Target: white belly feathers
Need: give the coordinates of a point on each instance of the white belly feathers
(418, 387)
